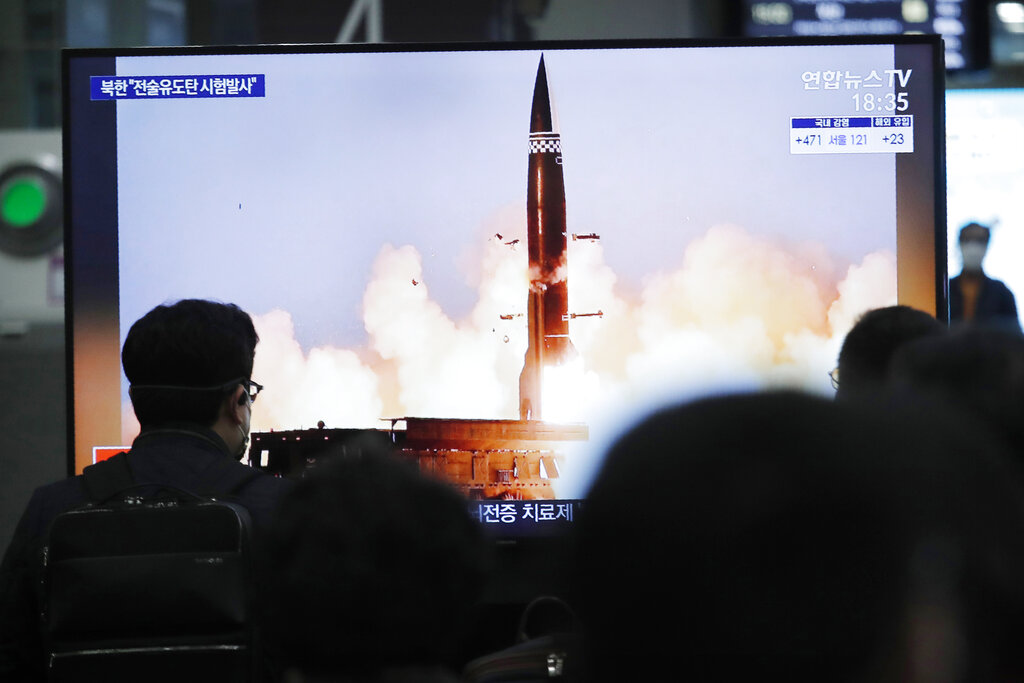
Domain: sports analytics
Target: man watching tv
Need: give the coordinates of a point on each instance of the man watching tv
(189, 365)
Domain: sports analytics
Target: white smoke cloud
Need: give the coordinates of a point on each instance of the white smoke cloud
(329, 384)
(870, 284)
(444, 369)
(741, 311)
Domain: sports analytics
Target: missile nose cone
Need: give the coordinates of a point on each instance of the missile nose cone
(540, 116)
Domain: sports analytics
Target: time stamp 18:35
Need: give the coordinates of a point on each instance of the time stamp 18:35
(870, 102)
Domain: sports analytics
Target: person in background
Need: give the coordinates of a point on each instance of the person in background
(974, 297)
(780, 535)
(870, 344)
(373, 573)
(975, 370)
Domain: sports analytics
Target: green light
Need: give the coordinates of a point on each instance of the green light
(22, 201)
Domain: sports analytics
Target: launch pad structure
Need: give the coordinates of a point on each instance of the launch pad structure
(484, 459)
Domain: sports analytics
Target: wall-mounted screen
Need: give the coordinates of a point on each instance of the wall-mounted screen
(985, 176)
(963, 24)
(500, 248)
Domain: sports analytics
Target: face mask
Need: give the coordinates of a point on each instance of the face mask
(245, 444)
(973, 253)
(244, 433)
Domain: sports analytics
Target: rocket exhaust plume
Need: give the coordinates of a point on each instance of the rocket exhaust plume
(548, 302)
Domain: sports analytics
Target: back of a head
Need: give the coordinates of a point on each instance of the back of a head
(974, 232)
(785, 534)
(869, 345)
(176, 349)
(974, 369)
(371, 566)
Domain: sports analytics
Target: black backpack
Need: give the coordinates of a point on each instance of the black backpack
(149, 582)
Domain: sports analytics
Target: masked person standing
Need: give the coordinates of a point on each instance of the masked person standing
(975, 298)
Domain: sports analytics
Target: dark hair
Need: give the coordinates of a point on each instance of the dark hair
(980, 230)
(371, 565)
(175, 351)
(870, 344)
(793, 535)
(978, 370)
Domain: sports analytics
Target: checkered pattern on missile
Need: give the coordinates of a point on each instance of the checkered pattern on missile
(552, 145)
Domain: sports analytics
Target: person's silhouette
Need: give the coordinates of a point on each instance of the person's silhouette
(975, 298)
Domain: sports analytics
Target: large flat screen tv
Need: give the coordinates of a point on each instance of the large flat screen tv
(494, 254)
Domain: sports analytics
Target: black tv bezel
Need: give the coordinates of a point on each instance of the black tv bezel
(75, 197)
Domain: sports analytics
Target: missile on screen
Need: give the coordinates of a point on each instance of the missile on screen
(548, 301)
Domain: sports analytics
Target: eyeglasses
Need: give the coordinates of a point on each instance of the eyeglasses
(254, 388)
(834, 376)
(251, 388)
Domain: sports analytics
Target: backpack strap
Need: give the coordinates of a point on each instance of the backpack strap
(106, 478)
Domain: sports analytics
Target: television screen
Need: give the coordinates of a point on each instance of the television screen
(494, 255)
(985, 177)
(963, 24)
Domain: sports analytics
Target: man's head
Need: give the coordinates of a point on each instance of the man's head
(872, 341)
(186, 362)
(977, 370)
(371, 566)
(974, 238)
(818, 540)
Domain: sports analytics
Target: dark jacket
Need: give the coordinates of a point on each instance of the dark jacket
(172, 457)
(996, 304)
